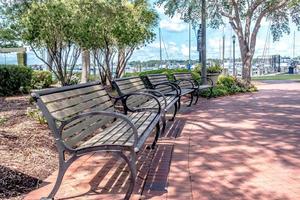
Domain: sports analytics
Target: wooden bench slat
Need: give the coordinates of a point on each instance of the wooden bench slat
(70, 93)
(103, 102)
(92, 129)
(81, 124)
(62, 104)
(117, 127)
(142, 125)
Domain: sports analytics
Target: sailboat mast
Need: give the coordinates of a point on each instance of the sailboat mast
(189, 45)
(160, 51)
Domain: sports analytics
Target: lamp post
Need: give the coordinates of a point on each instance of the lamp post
(233, 55)
(203, 42)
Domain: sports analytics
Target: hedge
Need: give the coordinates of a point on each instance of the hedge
(14, 79)
(41, 79)
(168, 72)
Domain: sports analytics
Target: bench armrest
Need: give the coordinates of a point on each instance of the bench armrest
(187, 80)
(172, 85)
(125, 97)
(208, 80)
(102, 113)
(157, 94)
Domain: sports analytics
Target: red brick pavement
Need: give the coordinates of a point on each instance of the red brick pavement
(238, 147)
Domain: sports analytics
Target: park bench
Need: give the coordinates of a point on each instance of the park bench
(127, 85)
(83, 120)
(186, 80)
(154, 79)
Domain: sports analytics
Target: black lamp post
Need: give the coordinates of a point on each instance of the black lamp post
(203, 41)
(233, 55)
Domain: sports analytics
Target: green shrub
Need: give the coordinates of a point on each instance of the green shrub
(3, 120)
(36, 114)
(214, 69)
(228, 85)
(14, 79)
(41, 79)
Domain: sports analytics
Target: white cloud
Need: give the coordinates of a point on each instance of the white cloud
(185, 50)
(174, 24)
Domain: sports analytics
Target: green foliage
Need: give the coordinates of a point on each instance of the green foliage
(278, 77)
(228, 85)
(169, 72)
(14, 79)
(41, 79)
(64, 28)
(214, 69)
(36, 115)
(8, 37)
(3, 120)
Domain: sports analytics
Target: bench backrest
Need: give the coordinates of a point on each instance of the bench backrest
(154, 79)
(181, 76)
(184, 76)
(129, 85)
(61, 104)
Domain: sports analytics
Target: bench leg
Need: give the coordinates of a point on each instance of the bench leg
(63, 166)
(179, 103)
(197, 96)
(132, 167)
(211, 93)
(164, 124)
(156, 136)
(192, 98)
(175, 112)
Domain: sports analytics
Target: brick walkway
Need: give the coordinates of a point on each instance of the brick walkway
(238, 147)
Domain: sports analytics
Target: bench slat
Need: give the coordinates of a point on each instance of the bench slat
(103, 102)
(118, 127)
(70, 93)
(81, 124)
(62, 104)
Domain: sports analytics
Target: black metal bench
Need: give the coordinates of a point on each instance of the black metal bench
(127, 85)
(189, 88)
(83, 120)
(184, 81)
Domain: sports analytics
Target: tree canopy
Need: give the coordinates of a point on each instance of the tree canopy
(66, 27)
(245, 17)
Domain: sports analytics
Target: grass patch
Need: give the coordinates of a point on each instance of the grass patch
(3, 120)
(279, 77)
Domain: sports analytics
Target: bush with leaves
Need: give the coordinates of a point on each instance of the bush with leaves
(214, 69)
(228, 85)
(14, 79)
(41, 79)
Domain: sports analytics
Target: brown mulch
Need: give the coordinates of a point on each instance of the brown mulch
(27, 150)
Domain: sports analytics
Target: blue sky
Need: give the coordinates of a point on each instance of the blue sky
(175, 37)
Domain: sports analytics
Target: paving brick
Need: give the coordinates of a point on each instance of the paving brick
(242, 147)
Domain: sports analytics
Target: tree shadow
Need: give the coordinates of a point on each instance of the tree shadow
(14, 183)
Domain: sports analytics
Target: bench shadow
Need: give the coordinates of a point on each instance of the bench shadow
(112, 179)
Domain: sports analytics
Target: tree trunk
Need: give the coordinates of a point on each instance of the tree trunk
(49, 61)
(85, 66)
(246, 74)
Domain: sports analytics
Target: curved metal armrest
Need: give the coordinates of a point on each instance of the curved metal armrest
(106, 114)
(174, 86)
(126, 96)
(188, 80)
(159, 93)
(209, 80)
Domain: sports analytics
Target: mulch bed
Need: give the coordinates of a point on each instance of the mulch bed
(27, 150)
